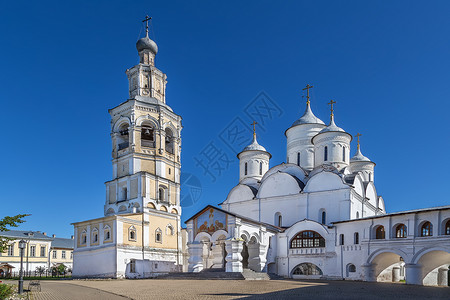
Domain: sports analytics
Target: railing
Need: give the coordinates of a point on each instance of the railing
(34, 274)
(150, 144)
(123, 145)
(307, 251)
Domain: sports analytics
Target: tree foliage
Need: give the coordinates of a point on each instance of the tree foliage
(9, 222)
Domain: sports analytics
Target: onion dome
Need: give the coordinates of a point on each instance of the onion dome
(332, 127)
(308, 117)
(254, 146)
(146, 43)
(358, 156)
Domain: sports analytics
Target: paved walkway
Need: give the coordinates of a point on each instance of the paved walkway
(232, 289)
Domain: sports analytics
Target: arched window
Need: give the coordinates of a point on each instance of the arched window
(147, 136)
(260, 168)
(400, 231)
(280, 221)
(83, 237)
(426, 229)
(169, 141)
(158, 235)
(356, 238)
(245, 169)
(357, 214)
(324, 217)
(123, 139)
(343, 153)
(95, 235)
(132, 233)
(379, 233)
(107, 233)
(169, 229)
(351, 268)
(307, 269)
(307, 239)
(298, 159)
(162, 197)
(325, 154)
(341, 239)
(124, 193)
(447, 228)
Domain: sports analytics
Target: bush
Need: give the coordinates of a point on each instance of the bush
(5, 291)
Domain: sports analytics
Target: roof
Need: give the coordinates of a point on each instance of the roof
(332, 127)
(21, 234)
(397, 213)
(63, 243)
(254, 146)
(274, 228)
(358, 156)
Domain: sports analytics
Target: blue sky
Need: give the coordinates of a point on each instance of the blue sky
(386, 63)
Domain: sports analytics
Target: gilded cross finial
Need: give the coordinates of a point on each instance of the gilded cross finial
(307, 92)
(147, 18)
(357, 136)
(254, 127)
(332, 110)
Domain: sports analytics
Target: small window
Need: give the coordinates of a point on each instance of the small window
(132, 266)
(170, 230)
(169, 171)
(54, 254)
(63, 254)
(426, 229)
(343, 154)
(43, 251)
(447, 228)
(379, 233)
(106, 233)
(357, 214)
(169, 141)
(162, 194)
(324, 217)
(33, 251)
(280, 221)
(132, 233)
(71, 255)
(325, 154)
(11, 250)
(95, 235)
(341, 239)
(83, 238)
(158, 235)
(245, 167)
(351, 268)
(356, 238)
(400, 231)
(298, 159)
(260, 168)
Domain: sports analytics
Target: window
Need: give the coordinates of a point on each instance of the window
(307, 239)
(162, 194)
(245, 169)
(124, 194)
(169, 171)
(132, 266)
(147, 136)
(379, 233)
(123, 139)
(341, 239)
(280, 221)
(42, 251)
(132, 233)
(54, 255)
(260, 168)
(11, 250)
(325, 154)
(447, 228)
(63, 254)
(83, 238)
(107, 233)
(307, 269)
(169, 141)
(357, 214)
(71, 255)
(426, 229)
(170, 230)
(324, 217)
(95, 235)
(343, 153)
(298, 159)
(158, 235)
(400, 231)
(351, 268)
(356, 238)
(33, 251)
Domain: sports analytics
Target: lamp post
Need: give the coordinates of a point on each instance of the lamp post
(22, 245)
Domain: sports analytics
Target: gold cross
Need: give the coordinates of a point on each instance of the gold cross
(254, 127)
(307, 92)
(147, 18)
(331, 103)
(357, 136)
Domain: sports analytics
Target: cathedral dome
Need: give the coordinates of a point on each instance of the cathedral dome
(308, 118)
(332, 127)
(359, 157)
(146, 43)
(254, 146)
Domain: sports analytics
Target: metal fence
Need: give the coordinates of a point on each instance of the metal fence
(44, 274)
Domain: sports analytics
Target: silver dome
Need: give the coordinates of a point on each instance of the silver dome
(359, 157)
(146, 43)
(254, 146)
(332, 127)
(308, 118)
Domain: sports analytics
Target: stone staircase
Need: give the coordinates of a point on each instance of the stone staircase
(218, 274)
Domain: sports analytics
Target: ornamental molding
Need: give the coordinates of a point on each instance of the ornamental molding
(300, 143)
(334, 138)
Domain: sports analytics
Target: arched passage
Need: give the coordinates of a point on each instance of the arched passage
(306, 270)
(435, 264)
(388, 265)
(244, 252)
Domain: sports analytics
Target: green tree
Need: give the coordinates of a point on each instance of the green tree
(4, 224)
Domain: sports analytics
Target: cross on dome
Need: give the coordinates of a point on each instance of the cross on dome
(307, 92)
(147, 18)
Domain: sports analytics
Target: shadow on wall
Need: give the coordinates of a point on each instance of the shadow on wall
(315, 289)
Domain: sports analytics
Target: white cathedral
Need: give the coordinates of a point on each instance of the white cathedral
(318, 216)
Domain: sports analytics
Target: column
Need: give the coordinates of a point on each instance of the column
(234, 258)
(369, 272)
(395, 274)
(217, 255)
(442, 279)
(195, 257)
(413, 274)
